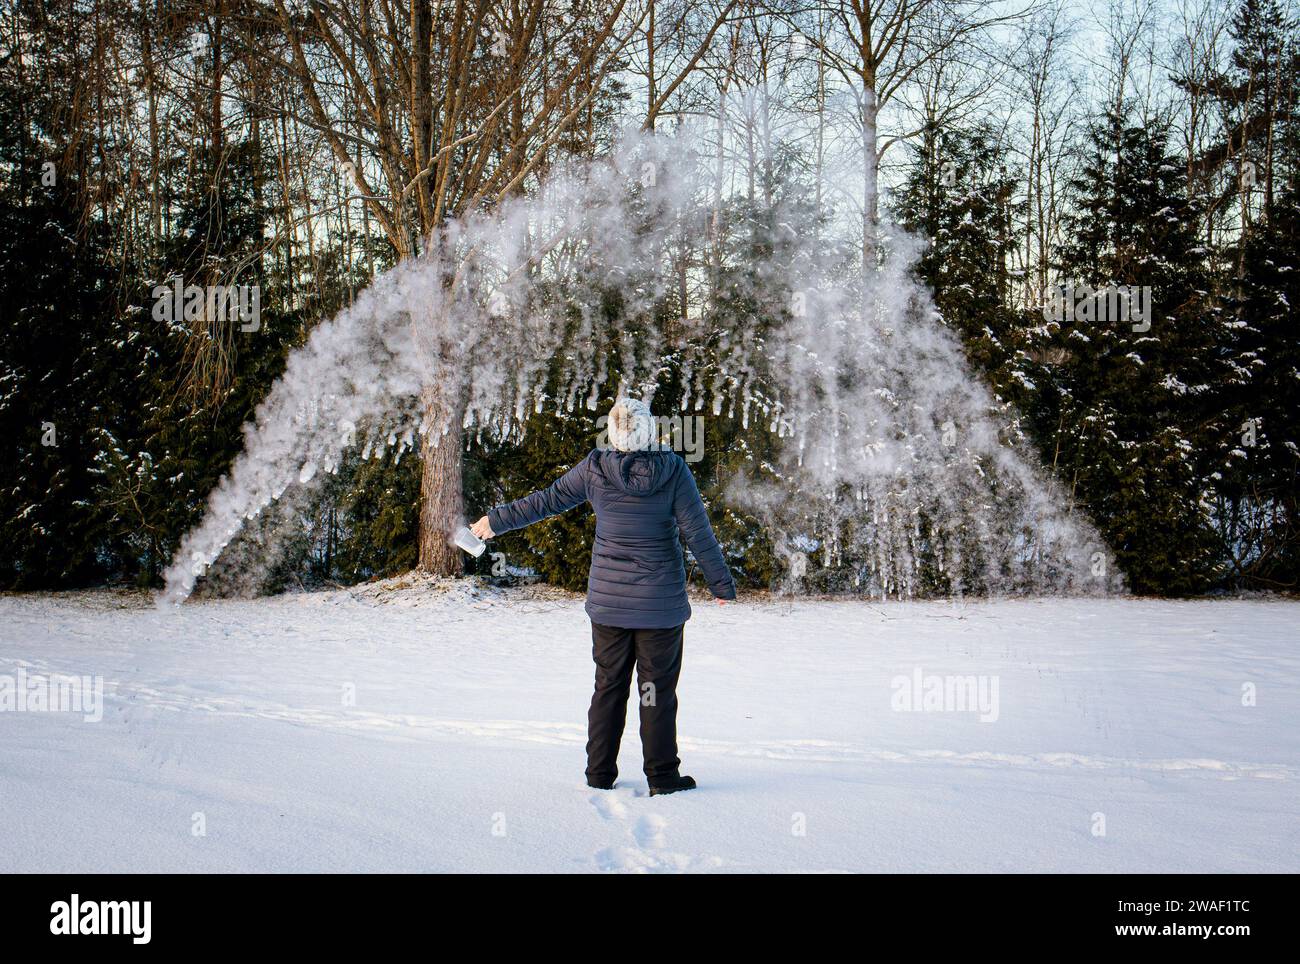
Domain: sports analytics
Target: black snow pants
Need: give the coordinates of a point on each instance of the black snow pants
(657, 654)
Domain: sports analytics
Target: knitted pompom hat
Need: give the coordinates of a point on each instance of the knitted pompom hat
(631, 426)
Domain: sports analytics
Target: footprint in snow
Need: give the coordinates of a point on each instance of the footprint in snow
(610, 803)
(645, 851)
(649, 831)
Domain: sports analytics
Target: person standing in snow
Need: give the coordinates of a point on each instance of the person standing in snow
(643, 496)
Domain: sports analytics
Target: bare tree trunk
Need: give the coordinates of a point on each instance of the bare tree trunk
(421, 101)
(155, 161)
(442, 505)
(820, 168)
(870, 179)
(652, 90)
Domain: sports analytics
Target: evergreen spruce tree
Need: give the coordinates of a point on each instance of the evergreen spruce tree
(57, 286)
(957, 196)
(1135, 407)
(1257, 490)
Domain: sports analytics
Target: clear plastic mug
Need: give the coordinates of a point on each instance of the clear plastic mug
(468, 541)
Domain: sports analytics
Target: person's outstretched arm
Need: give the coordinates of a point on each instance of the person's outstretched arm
(693, 522)
(566, 492)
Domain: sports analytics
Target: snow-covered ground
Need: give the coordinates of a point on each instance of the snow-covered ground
(428, 728)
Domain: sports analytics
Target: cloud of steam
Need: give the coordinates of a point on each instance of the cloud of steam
(893, 448)
(904, 463)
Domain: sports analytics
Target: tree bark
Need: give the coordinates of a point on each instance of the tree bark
(870, 179)
(442, 505)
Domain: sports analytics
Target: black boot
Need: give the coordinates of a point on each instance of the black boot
(600, 784)
(671, 785)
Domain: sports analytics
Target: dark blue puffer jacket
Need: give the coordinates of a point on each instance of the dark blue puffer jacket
(642, 499)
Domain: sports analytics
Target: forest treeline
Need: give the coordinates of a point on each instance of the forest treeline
(285, 153)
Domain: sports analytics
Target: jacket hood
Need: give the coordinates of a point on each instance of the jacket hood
(642, 472)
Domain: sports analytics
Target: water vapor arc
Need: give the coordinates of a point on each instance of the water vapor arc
(892, 452)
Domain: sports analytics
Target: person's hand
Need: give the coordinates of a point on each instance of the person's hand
(482, 529)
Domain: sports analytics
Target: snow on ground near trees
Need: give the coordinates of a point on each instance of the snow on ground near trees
(464, 749)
